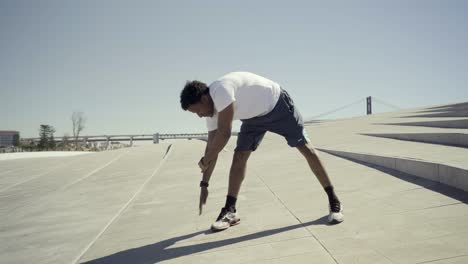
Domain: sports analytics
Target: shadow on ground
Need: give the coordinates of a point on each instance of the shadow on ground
(160, 251)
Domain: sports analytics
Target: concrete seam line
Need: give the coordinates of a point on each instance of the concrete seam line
(38, 175)
(156, 170)
(68, 185)
(297, 218)
(32, 178)
(436, 260)
(301, 223)
(8, 171)
(94, 171)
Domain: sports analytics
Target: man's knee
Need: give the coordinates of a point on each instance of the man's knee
(240, 158)
(308, 150)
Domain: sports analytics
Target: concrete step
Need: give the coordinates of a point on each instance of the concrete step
(442, 113)
(450, 139)
(452, 107)
(453, 123)
(450, 175)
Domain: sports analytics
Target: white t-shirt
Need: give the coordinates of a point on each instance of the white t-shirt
(252, 95)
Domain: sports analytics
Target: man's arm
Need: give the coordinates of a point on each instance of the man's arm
(222, 135)
(209, 170)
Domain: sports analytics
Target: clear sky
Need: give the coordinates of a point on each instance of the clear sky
(124, 63)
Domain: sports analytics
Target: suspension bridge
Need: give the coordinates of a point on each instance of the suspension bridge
(157, 137)
(367, 101)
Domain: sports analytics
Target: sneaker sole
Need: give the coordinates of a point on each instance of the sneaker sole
(221, 229)
(335, 222)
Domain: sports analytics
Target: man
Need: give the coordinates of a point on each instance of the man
(262, 105)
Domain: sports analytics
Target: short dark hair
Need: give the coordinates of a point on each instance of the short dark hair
(192, 93)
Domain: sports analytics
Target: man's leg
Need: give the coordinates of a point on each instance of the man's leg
(309, 152)
(237, 172)
(228, 216)
(287, 122)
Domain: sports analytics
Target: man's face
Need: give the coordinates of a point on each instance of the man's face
(203, 108)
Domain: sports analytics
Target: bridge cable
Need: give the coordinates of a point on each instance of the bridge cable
(337, 109)
(387, 104)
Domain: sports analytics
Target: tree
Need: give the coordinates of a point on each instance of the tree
(78, 121)
(46, 134)
(65, 138)
(52, 144)
(43, 137)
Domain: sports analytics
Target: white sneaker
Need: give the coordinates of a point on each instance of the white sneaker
(336, 214)
(226, 219)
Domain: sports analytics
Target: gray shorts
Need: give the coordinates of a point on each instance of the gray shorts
(284, 120)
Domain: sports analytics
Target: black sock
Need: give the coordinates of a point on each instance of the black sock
(332, 198)
(231, 203)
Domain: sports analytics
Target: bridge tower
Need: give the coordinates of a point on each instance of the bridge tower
(369, 105)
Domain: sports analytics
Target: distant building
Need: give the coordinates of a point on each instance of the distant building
(9, 138)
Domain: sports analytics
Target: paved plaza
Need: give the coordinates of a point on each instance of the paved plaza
(402, 178)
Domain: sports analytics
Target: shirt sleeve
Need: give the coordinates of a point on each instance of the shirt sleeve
(223, 96)
(212, 122)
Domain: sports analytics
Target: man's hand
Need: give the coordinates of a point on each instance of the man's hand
(203, 164)
(203, 197)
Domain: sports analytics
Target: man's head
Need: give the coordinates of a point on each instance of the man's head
(195, 97)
